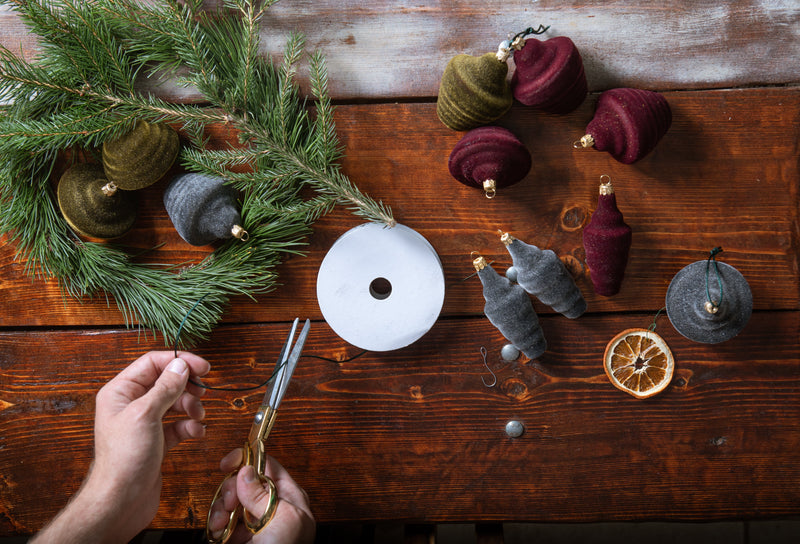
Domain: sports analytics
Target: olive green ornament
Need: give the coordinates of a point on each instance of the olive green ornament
(140, 157)
(89, 208)
(203, 209)
(474, 91)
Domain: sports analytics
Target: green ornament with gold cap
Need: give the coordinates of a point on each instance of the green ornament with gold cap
(140, 157)
(90, 207)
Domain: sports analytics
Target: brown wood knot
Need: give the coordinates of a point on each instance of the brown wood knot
(574, 266)
(719, 441)
(682, 379)
(515, 388)
(573, 218)
(416, 392)
(238, 403)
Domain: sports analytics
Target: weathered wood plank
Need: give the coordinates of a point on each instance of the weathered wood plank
(395, 49)
(724, 175)
(414, 435)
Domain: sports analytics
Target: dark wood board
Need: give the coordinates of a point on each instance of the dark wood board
(414, 434)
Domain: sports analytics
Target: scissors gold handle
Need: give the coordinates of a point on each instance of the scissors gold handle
(255, 447)
(253, 524)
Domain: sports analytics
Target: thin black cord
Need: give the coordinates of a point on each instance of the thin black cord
(252, 387)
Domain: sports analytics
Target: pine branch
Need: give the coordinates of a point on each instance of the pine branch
(81, 92)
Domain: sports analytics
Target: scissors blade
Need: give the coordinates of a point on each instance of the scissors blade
(280, 368)
(289, 364)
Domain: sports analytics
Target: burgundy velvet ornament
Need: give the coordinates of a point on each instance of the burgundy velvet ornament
(489, 158)
(628, 123)
(549, 75)
(607, 242)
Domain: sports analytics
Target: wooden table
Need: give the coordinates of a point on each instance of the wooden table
(413, 435)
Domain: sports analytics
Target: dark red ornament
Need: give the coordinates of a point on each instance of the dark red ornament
(549, 75)
(628, 123)
(489, 158)
(607, 242)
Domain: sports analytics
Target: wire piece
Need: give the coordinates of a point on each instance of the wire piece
(494, 376)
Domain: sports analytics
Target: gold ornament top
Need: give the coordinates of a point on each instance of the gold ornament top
(506, 238)
(606, 188)
(490, 188)
(585, 141)
(478, 262)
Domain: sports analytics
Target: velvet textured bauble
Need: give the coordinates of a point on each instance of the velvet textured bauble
(90, 210)
(142, 156)
(509, 308)
(203, 209)
(473, 91)
(607, 242)
(542, 274)
(628, 123)
(688, 305)
(549, 75)
(489, 158)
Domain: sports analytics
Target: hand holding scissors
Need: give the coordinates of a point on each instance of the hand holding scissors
(255, 447)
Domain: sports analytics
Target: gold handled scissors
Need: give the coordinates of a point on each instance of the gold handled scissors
(255, 447)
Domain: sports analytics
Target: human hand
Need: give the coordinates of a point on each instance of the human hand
(120, 495)
(293, 522)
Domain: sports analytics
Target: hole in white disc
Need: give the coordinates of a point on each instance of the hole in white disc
(380, 288)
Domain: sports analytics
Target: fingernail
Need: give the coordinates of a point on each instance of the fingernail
(178, 366)
(250, 474)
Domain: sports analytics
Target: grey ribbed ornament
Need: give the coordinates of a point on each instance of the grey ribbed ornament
(703, 320)
(509, 308)
(542, 274)
(203, 209)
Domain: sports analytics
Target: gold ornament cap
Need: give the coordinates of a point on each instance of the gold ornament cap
(506, 238)
(606, 188)
(478, 261)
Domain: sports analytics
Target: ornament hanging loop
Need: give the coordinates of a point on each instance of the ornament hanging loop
(238, 232)
(517, 41)
(711, 306)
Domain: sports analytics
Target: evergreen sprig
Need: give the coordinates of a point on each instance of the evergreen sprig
(84, 88)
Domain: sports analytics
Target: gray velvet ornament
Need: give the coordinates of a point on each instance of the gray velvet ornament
(542, 274)
(203, 209)
(509, 308)
(706, 306)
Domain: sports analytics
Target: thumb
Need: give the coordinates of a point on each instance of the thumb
(168, 387)
(254, 494)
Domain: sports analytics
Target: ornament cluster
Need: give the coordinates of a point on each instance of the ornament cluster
(99, 200)
(549, 76)
(627, 123)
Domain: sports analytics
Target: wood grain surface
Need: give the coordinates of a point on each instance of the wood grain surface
(414, 435)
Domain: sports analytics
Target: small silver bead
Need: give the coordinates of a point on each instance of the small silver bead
(509, 352)
(511, 274)
(515, 428)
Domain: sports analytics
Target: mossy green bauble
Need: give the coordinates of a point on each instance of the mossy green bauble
(140, 157)
(473, 91)
(90, 208)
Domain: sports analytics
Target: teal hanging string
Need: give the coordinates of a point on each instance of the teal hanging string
(711, 306)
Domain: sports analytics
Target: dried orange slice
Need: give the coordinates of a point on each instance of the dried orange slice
(639, 362)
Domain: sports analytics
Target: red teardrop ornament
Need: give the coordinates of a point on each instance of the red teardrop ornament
(489, 158)
(549, 75)
(628, 123)
(607, 242)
